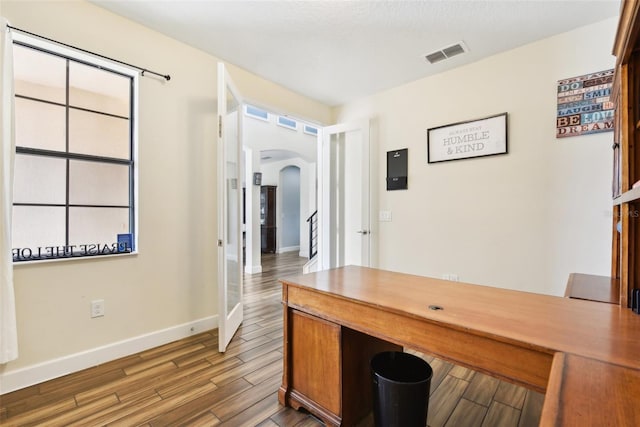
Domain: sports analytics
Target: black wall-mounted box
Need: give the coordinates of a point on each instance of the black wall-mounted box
(397, 169)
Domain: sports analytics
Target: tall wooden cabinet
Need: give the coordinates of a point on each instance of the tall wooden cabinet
(268, 218)
(626, 95)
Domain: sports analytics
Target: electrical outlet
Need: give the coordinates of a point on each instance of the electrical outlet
(450, 276)
(97, 308)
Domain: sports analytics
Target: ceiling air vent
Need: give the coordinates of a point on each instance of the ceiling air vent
(446, 53)
(436, 57)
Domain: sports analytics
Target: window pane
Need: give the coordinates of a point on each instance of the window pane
(36, 226)
(283, 121)
(256, 112)
(98, 135)
(39, 180)
(40, 125)
(98, 90)
(111, 180)
(39, 75)
(97, 225)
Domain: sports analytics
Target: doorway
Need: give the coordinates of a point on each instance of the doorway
(345, 209)
(283, 152)
(290, 216)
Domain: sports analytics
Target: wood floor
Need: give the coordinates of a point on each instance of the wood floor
(188, 383)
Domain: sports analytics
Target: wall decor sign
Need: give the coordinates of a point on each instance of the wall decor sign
(124, 245)
(474, 138)
(584, 106)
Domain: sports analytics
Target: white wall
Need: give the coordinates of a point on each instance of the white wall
(267, 135)
(172, 284)
(523, 220)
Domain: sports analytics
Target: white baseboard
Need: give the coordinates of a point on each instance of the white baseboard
(253, 269)
(35, 374)
(288, 249)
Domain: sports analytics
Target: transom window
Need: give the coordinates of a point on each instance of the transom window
(288, 123)
(310, 130)
(256, 112)
(74, 182)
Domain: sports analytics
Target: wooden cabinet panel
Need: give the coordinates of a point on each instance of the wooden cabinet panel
(625, 93)
(268, 239)
(328, 370)
(268, 218)
(315, 358)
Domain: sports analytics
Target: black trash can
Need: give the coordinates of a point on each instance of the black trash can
(401, 383)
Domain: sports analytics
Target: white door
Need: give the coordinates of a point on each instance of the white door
(229, 209)
(344, 207)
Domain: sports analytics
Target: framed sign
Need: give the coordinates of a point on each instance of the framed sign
(475, 138)
(584, 106)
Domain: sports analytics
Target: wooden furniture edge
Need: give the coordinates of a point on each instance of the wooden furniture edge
(551, 405)
(297, 400)
(283, 392)
(625, 33)
(342, 310)
(453, 326)
(593, 288)
(590, 392)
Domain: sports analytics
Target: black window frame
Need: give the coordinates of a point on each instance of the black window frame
(91, 249)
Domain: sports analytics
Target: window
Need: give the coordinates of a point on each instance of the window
(288, 123)
(74, 183)
(256, 113)
(310, 130)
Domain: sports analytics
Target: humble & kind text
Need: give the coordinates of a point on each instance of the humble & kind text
(465, 140)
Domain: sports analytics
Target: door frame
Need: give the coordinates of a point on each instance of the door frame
(324, 185)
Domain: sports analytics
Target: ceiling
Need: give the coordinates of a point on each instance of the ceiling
(337, 51)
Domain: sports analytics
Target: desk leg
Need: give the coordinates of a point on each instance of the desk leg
(283, 392)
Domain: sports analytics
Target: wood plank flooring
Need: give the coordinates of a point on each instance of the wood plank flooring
(188, 383)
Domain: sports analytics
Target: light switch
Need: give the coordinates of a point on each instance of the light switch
(385, 216)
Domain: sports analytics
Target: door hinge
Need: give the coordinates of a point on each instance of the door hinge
(219, 243)
(219, 126)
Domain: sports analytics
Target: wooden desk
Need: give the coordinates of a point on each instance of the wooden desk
(511, 335)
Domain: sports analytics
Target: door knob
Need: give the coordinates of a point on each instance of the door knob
(362, 232)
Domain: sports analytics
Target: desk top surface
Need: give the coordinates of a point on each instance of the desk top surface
(604, 332)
